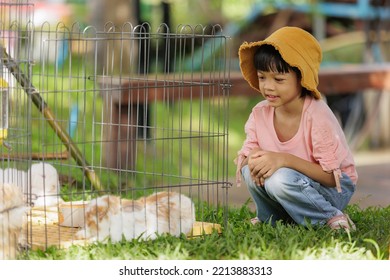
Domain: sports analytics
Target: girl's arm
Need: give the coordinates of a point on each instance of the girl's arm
(263, 164)
(310, 169)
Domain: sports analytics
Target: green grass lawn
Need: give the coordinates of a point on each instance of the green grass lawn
(241, 240)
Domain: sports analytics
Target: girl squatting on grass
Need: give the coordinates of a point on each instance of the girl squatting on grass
(295, 159)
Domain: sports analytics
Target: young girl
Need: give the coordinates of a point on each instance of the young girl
(295, 160)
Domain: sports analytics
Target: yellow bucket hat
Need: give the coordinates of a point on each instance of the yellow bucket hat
(296, 46)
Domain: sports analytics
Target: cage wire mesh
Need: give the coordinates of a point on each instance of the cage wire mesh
(15, 41)
(122, 111)
(15, 152)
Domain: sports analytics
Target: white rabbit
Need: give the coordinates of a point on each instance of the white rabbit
(45, 185)
(112, 217)
(12, 215)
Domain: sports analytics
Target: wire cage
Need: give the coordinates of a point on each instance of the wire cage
(125, 112)
(15, 144)
(15, 41)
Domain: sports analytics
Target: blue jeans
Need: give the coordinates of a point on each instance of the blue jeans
(291, 196)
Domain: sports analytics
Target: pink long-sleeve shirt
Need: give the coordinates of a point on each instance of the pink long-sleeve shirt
(319, 139)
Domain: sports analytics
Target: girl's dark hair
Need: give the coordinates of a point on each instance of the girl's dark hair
(268, 59)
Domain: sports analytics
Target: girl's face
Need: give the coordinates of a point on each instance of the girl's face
(279, 89)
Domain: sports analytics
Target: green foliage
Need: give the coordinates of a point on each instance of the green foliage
(241, 240)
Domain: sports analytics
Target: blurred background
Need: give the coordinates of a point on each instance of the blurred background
(355, 73)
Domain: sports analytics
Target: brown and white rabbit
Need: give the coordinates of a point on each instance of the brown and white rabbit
(12, 216)
(111, 217)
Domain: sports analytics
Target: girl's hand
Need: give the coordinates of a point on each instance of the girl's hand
(259, 181)
(263, 164)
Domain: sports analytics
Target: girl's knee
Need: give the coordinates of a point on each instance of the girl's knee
(281, 176)
(278, 183)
